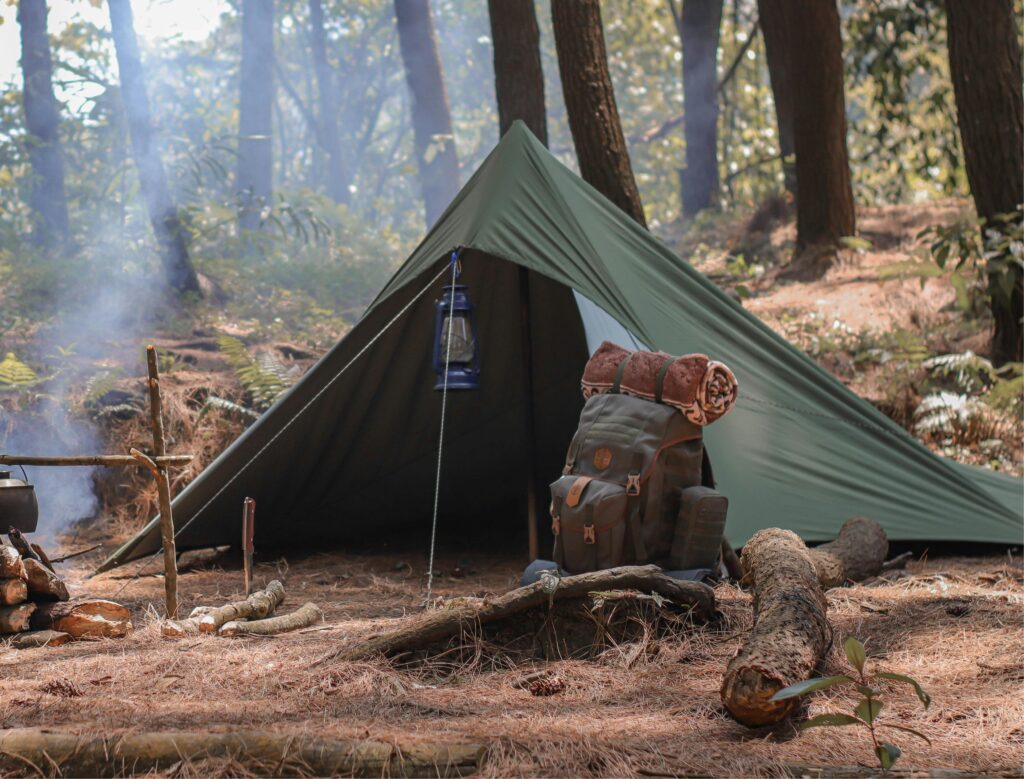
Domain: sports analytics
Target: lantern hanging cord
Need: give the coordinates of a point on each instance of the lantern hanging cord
(142, 569)
(456, 265)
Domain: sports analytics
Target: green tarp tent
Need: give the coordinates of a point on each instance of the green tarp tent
(352, 448)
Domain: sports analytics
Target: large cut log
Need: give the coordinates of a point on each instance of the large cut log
(858, 553)
(259, 605)
(84, 618)
(37, 638)
(71, 755)
(11, 566)
(44, 584)
(13, 591)
(16, 619)
(791, 631)
(308, 615)
(452, 618)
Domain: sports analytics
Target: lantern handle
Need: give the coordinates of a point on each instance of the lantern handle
(456, 262)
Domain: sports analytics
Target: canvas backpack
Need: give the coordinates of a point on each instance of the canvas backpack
(636, 488)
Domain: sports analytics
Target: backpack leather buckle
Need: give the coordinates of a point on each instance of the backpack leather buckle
(633, 484)
(589, 535)
(556, 525)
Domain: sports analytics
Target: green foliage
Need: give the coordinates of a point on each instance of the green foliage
(15, 375)
(264, 378)
(868, 708)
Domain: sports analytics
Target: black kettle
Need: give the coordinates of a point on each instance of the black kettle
(18, 506)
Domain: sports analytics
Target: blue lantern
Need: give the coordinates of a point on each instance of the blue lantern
(458, 360)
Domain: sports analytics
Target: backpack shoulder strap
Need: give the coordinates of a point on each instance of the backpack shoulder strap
(707, 476)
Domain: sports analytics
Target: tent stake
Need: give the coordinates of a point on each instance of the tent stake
(531, 437)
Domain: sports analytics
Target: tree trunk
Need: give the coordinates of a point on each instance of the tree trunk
(699, 29)
(44, 584)
(308, 614)
(163, 213)
(590, 104)
(254, 176)
(804, 41)
(327, 113)
(102, 754)
(782, 83)
(450, 621)
(518, 75)
(985, 64)
(433, 139)
(791, 631)
(42, 121)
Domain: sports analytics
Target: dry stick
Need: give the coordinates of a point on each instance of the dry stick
(79, 553)
(43, 557)
(21, 544)
(92, 459)
(75, 755)
(898, 561)
(164, 487)
(206, 620)
(308, 614)
(450, 621)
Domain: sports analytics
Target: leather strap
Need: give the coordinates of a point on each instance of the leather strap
(633, 495)
(659, 381)
(588, 521)
(620, 372)
(572, 499)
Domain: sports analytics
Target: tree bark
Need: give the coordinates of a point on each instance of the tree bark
(42, 121)
(985, 64)
(433, 138)
(254, 174)
(44, 584)
(590, 104)
(259, 605)
(308, 614)
(84, 619)
(699, 29)
(163, 213)
(804, 41)
(858, 553)
(779, 73)
(73, 755)
(518, 74)
(450, 621)
(11, 565)
(13, 592)
(327, 113)
(16, 619)
(791, 631)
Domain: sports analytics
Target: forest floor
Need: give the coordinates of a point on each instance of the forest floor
(650, 708)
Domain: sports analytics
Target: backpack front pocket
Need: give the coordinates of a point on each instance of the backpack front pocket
(588, 519)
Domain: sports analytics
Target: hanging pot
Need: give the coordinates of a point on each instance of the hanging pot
(18, 506)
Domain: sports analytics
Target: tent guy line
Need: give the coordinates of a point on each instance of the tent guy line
(142, 569)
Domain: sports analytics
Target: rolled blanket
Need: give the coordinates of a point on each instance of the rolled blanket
(703, 390)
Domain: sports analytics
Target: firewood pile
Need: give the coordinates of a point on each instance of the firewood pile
(36, 606)
(254, 616)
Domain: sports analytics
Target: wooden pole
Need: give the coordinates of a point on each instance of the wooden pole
(92, 459)
(163, 488)
(248, 532)
(531, 437)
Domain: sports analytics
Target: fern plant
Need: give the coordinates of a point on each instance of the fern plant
(16, 375)
(264, 378)
(865, 714)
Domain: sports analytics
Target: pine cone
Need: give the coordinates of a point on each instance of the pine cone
(549, 685)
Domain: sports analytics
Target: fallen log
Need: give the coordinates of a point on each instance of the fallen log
(44, 584)
(72, 755)
(13, 592)
(84, 618)
(11, 566)
(308, 615)
(791, 631)
(15, 619)
(452, 618)
(858, 553)
(34, 639)
(260, 604)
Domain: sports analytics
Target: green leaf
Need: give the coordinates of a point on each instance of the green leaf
(904, 728)
(867, 692)
(855, 653)
(923, 696)
(810, 685)
(868, 709)
(834, 720)
(887, 754)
